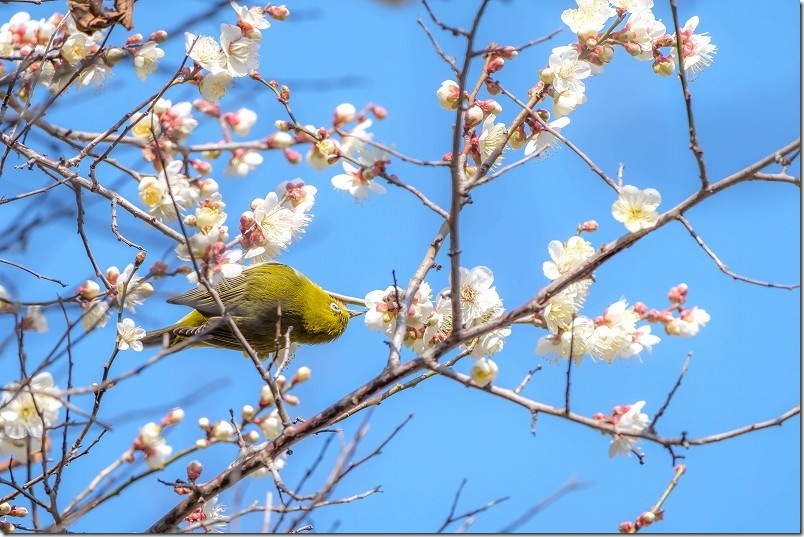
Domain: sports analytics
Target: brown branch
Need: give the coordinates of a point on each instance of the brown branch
(695, 147)
(589, 162)
(570, 486)
(520, 48)
(452, 517)
(29, 271)
(652, 426)
(723, 267)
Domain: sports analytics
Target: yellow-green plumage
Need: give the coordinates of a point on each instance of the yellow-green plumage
(254, 300)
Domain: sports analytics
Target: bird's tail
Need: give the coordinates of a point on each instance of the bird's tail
(169, 336)
(163, 337)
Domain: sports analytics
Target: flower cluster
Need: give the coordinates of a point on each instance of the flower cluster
(608, 337)
(63, 54)
(627, 420)
(28, 408)
(428, 324)
(596, 23)
(615, 334)
(275, 221)
(234, 56)
(162, 128)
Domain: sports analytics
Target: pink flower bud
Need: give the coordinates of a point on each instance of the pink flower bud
(159, 268)
(344, 113)
(201, 166)
(645, 519)
(598, 416)
(291, 399)
(489, 106)
(492, 87)
(294, 157)
(19, 511)
(473, 116)
(278, 13)
(174, 416)
(206, 107)
(134, 39)
(379, 112)
(159, 36)
(447, 157)
(279, 140)
(194, 469)
(627, 527)
(508, 52)
(632, 48)
(495, 65)
(112, 274)
(89, 290)
(640, 308)
(589, 226)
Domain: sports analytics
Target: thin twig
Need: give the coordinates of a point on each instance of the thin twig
(652, 426)
(572, 485)
(695, 147)
(29, 271)
(723, 267)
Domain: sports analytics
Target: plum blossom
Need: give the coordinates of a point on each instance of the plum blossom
(589, 18)
(574, 341)
(568, 69)
(633, 421)
(543, 141)
(129, 335)
(241, 51)
(566, 256)
(636, 208)
(28, 408)
(243, 162)
(146, 59)
(448, 95)
(205, 51)
(359, 182)
(688, 324)
(696, 48)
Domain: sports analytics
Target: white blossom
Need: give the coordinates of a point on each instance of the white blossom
(28, 408)
(636, 208)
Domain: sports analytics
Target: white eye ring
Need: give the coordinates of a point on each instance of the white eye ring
(335, 307)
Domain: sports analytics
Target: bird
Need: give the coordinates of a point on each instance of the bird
(257, 299)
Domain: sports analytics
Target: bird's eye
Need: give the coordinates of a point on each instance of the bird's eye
(335, 307)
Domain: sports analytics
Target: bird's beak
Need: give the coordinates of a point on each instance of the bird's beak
(353, 313)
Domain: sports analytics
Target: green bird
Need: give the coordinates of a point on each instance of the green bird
(258, 298)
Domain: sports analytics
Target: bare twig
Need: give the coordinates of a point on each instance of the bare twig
(652, 426)
(29, 271)
(570, 486)
(452, 517)
(695, 147)
(723, 267)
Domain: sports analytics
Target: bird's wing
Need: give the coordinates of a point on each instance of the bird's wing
(220, 336)
(230, 290)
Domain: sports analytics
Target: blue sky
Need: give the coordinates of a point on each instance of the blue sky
(746, 363)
